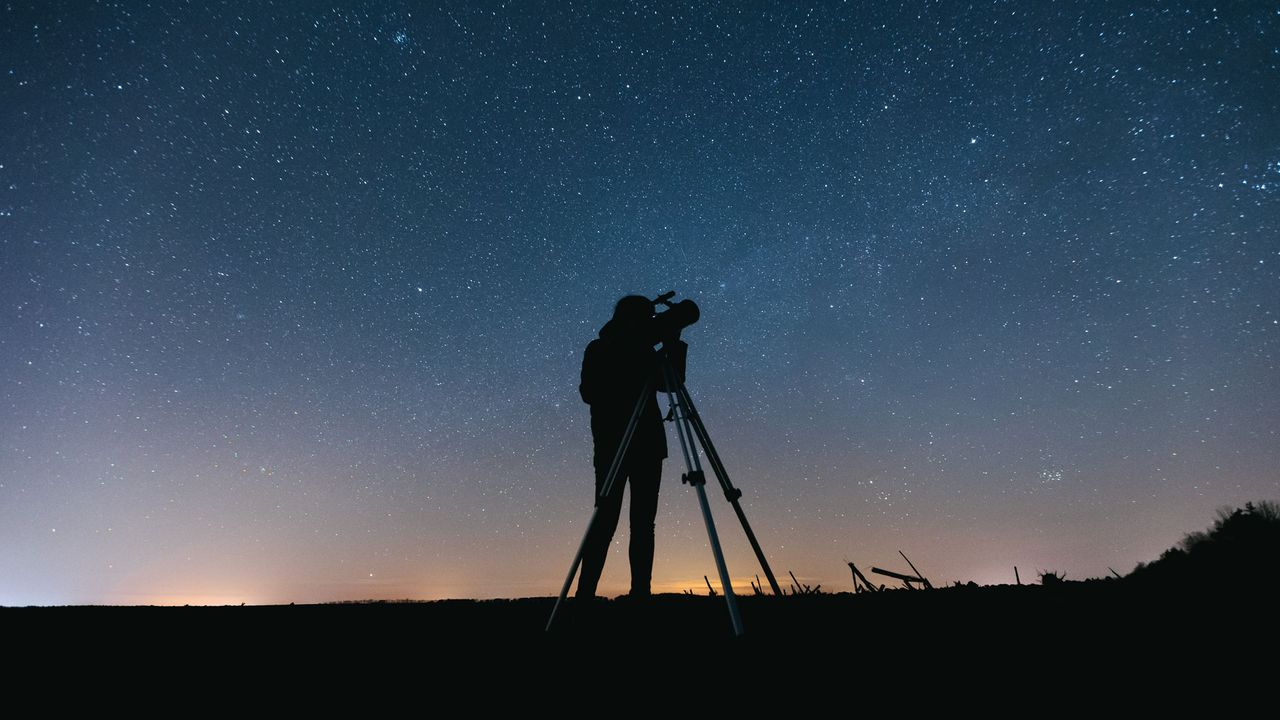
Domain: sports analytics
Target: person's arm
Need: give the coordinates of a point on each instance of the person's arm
(590, 386)
(676, 350)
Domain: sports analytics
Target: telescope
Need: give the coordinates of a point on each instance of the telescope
(676, 317)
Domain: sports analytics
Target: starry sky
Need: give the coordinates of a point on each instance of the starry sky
(295, 294)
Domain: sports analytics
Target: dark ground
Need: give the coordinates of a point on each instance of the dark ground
(1077, 644)
(1198, 623)
(1034, 619)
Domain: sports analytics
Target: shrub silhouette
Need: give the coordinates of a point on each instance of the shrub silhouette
(1049, 577)
(1239, 549)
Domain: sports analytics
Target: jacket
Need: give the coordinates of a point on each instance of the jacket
(615, 369)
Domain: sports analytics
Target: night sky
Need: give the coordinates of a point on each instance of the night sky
(295, 295)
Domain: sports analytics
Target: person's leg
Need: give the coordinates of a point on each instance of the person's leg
(596, 547)
(644, 479)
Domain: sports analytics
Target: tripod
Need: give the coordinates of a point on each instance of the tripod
(688, 426)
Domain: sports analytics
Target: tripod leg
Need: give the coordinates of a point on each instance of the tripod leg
(731, 493)
(696, 478)
(573, 569)
(730, 598)
(604, 493)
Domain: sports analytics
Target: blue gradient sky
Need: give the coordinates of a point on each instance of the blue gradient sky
(295, 296)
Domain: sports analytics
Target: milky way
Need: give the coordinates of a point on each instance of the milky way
(295, 296)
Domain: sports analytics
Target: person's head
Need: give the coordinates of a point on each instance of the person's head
(632, 312)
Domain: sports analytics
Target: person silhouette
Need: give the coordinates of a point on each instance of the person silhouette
(616, 369)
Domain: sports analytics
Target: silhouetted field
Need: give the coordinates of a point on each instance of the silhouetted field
(1016, 615)
(1211, 600)
(987, 641)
